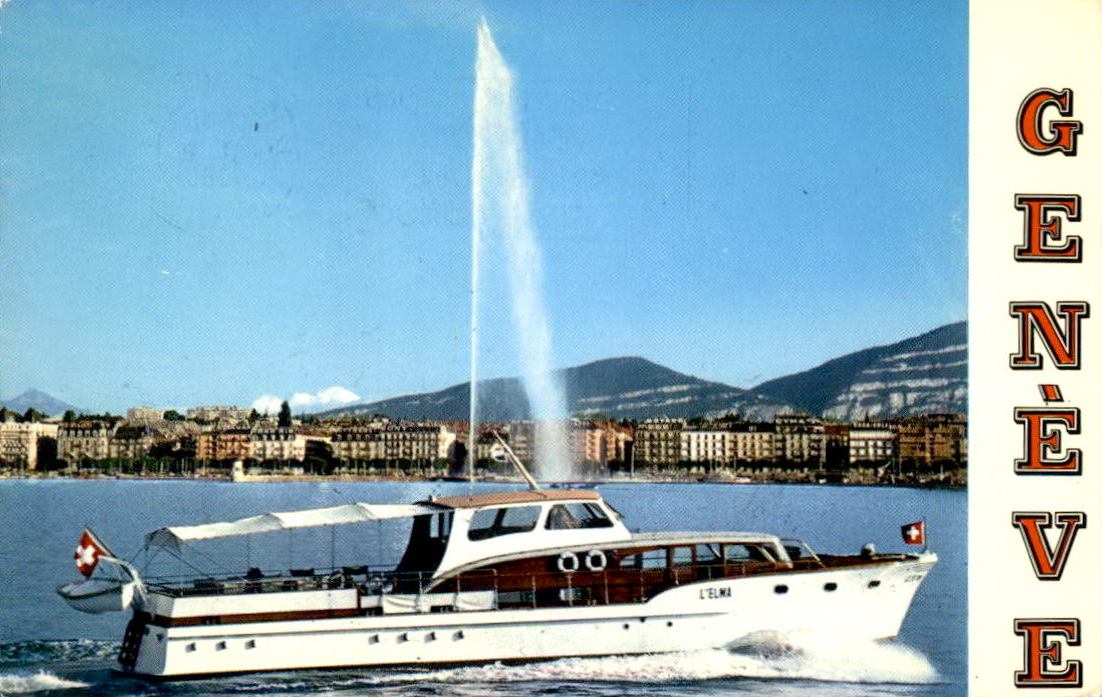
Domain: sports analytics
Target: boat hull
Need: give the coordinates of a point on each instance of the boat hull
(860, 602)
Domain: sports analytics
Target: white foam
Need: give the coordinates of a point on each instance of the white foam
(15, 684)
(765, 655)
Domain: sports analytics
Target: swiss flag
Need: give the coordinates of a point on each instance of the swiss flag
(914, 533)
(88, 552)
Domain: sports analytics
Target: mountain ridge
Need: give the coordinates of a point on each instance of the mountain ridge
(38, 400)
(897, 379)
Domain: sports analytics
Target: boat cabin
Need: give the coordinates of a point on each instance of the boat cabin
(473, 528)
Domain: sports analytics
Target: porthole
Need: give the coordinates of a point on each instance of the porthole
(250, 644)
(626, 626)
(190, 647)
(780, 589)
(874, 584)
(830, 587)
(220, 646)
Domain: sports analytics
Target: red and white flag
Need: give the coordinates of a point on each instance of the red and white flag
(914, 533)
(88, 552)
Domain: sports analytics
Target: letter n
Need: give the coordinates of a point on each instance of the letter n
(1048, 564)
(1044, 664)
(1062, 344)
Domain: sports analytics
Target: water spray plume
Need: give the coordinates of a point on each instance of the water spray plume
(499, 207)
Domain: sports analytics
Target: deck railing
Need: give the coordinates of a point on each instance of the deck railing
(549, 588)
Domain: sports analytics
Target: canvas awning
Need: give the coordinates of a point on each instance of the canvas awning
(274, 522)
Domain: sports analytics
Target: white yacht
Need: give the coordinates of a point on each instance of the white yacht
(510, 576)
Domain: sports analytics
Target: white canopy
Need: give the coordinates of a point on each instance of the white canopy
(273, 522)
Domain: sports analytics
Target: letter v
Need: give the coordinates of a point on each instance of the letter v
(1048, 565)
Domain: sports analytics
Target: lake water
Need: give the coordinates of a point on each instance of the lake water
(47, 648)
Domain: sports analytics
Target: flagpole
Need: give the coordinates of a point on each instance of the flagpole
(925, 535)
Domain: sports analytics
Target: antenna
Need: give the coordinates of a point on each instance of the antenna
(532, 484)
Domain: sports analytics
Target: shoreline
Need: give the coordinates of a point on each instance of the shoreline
(492, 479)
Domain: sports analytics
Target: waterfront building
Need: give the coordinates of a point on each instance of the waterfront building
(130, 442)
(275, 443)
(870, 444)
(404, 442)
(84, 440)
(753, 442)
(223, 445)
(707, 443)
(589, 442)
(800, 439)
(933, 438)
(418, 442)
(20, 443)
(658, 441)
(357, 443)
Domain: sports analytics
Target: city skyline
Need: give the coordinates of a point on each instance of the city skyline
(207, 206)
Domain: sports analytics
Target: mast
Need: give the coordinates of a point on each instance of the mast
(532, 484)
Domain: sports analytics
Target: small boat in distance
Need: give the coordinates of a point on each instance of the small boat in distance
(506, 576)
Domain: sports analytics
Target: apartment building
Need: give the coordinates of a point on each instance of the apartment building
(274, 443)
(658, 441)
(871, 445)
(19, 443)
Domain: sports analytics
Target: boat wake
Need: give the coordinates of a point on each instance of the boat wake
(21, 684)
(763, 656)
(824, 657)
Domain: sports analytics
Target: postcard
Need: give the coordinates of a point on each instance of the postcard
(575, 348)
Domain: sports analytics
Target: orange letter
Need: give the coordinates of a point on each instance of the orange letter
(1041, 443)
(1029, 123)
(1042, 229)
(1048, 565)
(1062, 346)
(1042, 653)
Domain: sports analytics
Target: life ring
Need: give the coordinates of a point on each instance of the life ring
(595, 560)
(568, 562)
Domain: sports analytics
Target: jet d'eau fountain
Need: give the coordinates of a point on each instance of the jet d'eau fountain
(499, 211)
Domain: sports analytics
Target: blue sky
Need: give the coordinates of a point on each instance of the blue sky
(207, 202)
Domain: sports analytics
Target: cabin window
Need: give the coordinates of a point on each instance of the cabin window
(707, 554)
(682, 556)
(631, 561)
(743, 553)
(495, 522)
(654, 559)
(571, 516)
